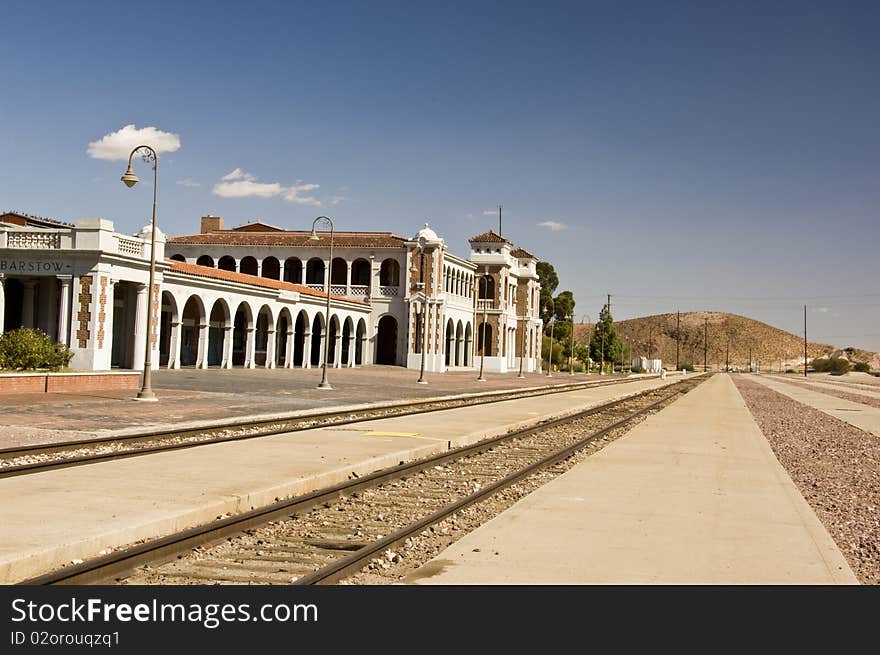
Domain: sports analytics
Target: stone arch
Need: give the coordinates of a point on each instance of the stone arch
(263, 338)
(333, 347)
(226, 263)
(338, 271)
(486, 289)
(450, 342)
(193, 326)
(205, 260)
(242, 324)
(248, 265)
(468, 345)
(300, 332)
(218, 321)
(389, 273)
(386, 340)
(293, 270)
(315, 271)
(283, 338)
(178, 257)
(271, 268)
(484, 337)
(360, 273)
(360, 343)
(169, 326)
(459, 344)
(317, 351)
(347, 338)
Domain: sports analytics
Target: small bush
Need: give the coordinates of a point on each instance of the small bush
(637, 369)
(686, 366)
(27, 350)
(831, 365)
(862, 367)
(790, 370)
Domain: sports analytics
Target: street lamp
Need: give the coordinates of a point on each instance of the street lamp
(421, 286)
(314, 237)
(130, 179)
(552, 324)
(587, 363)
(570, 317)
(485, 280)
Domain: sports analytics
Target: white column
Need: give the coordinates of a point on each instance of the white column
(351, 345)
(174, 346)
(337, 350)
(302, 273)
(227, 346)
(270, 348)
(202, 357)
(347, 278)
(2, 302)
(307, 350)
(375, 266)
(63, 309)
(140, 328)
(250, 348)
(259, 268)
(288, 350)
(27, 304)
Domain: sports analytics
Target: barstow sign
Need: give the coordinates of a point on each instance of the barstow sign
(44, 267)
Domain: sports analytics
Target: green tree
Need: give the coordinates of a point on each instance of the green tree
(563, 305)
(605, 343)
(549, 280)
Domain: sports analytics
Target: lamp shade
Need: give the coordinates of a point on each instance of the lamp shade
(130, 179)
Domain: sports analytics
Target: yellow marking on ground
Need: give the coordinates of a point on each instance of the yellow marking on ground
(410, 435)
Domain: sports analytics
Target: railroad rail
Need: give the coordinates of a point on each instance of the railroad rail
(346, 539)
(46, 457)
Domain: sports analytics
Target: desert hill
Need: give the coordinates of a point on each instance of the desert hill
(770, 346)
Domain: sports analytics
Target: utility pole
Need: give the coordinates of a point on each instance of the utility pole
(499, 219)
(677, 339)
(750, 359)
(705, 343)
(805, 341)
(727, 358)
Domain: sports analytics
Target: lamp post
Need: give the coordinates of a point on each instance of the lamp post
(130, 179)
(589, 361)
(421, 286)
(522, 351)
(324, 384)
(571, 346)
(484, 279)
(552, 324)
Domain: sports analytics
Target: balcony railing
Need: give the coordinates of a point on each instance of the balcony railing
(488, 303)
(33, 240)
(126, 246)
(337, 289)
(360, 289)
(389, 291)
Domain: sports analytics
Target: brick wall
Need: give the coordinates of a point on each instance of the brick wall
(84, 315)
(60, 382)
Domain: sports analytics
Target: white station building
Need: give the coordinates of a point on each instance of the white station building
(255, 296)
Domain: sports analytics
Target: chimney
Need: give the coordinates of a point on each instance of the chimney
(211, 224)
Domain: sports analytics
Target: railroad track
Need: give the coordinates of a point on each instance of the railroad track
(322, 537)
(47, 457)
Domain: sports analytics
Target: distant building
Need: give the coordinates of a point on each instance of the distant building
(648, 365)
(255, 296)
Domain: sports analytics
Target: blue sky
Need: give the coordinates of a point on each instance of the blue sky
(694, 155)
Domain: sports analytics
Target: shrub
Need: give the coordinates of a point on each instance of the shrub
(790, 370)
(831, 365)
(637, 369)
(686, 366)
(25, 349)
(862, 367)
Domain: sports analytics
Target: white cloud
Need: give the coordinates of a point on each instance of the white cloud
(118, 145)
(553, 226)
(490, 212)
(188, 182)
(335, 200)
(241, 184)
(822, 310)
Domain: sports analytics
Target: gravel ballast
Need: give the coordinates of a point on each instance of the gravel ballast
(835, 466)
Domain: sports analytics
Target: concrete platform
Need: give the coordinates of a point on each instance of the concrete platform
(59, 516)
(862, 416)
(194, 396)
(856, 390)
(693, 495)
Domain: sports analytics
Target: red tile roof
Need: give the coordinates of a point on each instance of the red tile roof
(294, 238)
(488, 237)
(522, 253)
(253, 280)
